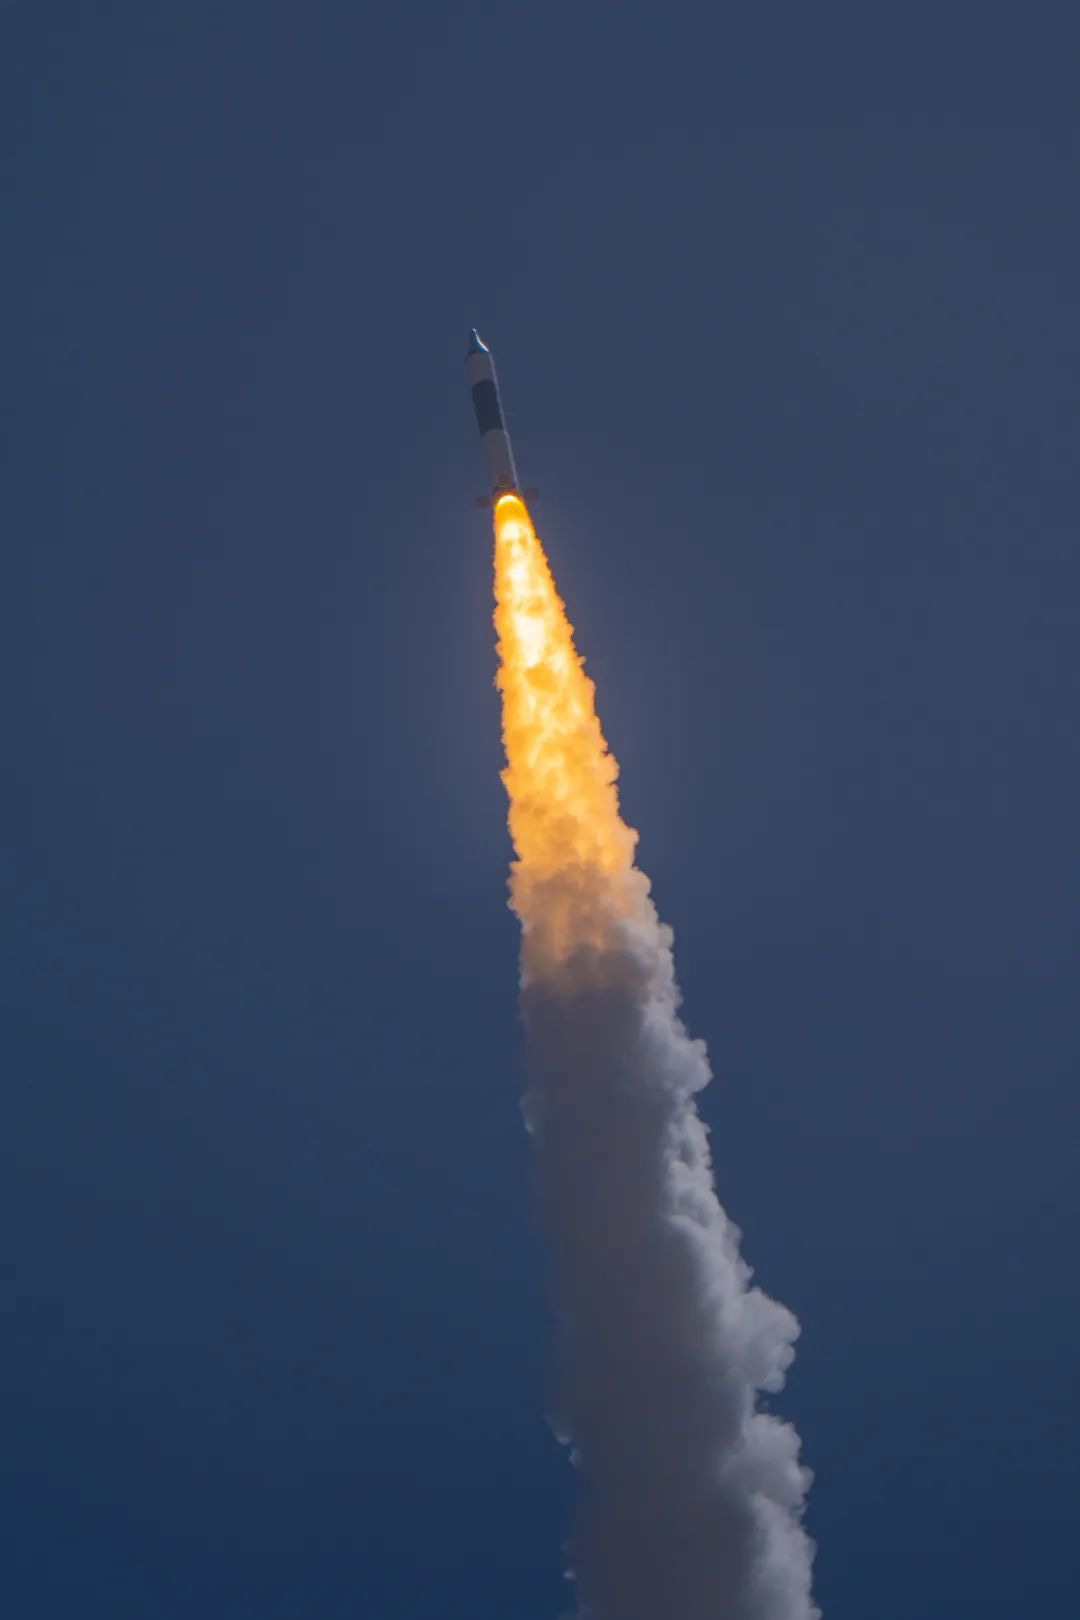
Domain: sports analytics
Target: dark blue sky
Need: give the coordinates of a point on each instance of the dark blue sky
(786, 312)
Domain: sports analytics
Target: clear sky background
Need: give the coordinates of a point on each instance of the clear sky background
(785, 305)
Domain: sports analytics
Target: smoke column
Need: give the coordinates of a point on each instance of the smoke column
(691, 1496)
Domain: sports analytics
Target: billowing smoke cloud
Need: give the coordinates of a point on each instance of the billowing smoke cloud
(691, 1496)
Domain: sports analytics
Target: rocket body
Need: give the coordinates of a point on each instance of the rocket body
(484, 387)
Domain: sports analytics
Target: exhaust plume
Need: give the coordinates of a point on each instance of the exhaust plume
(691, 1495)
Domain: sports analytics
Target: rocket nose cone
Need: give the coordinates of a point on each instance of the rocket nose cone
(475, 344)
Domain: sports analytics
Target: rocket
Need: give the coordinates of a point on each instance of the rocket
(498, 454)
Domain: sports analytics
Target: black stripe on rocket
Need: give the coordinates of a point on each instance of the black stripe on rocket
(485, 397)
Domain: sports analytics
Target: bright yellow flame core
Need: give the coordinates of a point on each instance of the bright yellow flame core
(572, 846)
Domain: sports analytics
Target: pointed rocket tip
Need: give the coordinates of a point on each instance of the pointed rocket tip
(476, 346)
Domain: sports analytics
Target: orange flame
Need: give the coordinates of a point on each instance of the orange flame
(572, 846)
